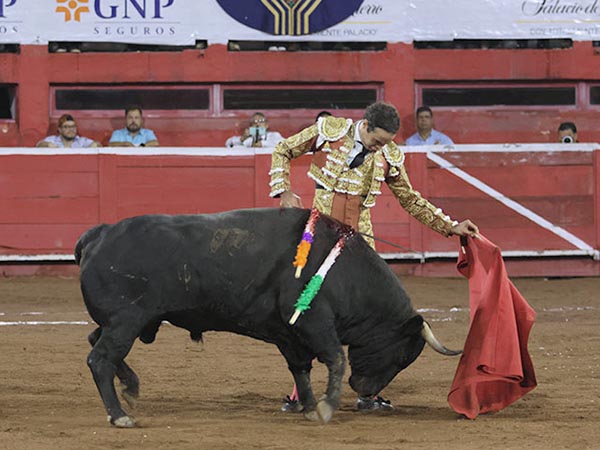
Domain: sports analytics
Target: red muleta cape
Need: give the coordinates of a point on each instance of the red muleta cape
(495, 369)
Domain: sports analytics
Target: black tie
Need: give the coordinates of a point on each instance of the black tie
(358, 159)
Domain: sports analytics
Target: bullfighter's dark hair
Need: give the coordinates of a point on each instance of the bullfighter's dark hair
(382, 115)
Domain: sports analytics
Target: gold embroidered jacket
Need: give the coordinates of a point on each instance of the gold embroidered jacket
(330, 170)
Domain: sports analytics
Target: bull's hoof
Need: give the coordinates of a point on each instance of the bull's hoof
(123, 422)
(325, 411)
(130, 397)
(313, 416)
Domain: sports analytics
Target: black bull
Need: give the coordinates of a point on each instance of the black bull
(233, 272)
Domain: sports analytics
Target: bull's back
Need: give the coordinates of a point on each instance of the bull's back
(225, 262)
(232, 240)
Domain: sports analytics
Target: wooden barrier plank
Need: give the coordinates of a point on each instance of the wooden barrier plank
(395, 233)
(488, 212)
(188, 190)
(510, 181)
(184, 161)
(49, 210)
(40, 238)
(48, 184)
(516, 159)
(30, 164)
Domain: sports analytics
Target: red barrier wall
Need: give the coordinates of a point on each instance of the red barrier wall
(49, 200)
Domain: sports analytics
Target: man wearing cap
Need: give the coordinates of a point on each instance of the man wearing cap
(67, 136)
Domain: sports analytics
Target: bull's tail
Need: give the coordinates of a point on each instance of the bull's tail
(87, 237)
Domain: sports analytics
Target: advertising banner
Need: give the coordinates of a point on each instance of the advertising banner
(182, 22)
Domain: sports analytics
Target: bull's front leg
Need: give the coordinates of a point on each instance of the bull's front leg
(335, 362)
(305, 394)
(106, 360)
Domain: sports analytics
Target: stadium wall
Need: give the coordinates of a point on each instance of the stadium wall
(400, 71)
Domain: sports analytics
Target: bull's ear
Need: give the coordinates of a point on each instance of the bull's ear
(411, 326)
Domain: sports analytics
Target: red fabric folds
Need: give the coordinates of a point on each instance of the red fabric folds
(495, 369)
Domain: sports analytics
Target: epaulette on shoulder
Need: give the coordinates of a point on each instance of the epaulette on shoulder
(393, 155)
(333, 128)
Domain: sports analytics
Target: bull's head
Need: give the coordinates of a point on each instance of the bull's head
(384, 355)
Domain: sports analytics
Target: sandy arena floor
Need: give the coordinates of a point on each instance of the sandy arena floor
(227, 394)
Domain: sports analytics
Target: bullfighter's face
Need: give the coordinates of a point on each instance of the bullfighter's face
(375, 139)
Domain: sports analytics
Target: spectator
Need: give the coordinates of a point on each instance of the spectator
(67, 136)
(567, 133)
(425, 134)
(134, 135)
(256, 135)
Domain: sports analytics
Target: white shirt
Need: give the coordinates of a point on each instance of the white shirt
(270, 139)
(358, 145)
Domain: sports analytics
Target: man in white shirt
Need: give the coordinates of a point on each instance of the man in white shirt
(67, 136)
(256, 135)
(425, 134)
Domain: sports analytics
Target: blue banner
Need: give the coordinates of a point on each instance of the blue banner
(290, 17)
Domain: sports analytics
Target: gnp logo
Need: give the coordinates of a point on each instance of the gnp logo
(105, 9)
(72, 9)
(290, 17)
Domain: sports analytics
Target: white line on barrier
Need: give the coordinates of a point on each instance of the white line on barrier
(517, 207)
(58, 322)
(387, 256)
(505, 254)
(243, 151)
(36, 258)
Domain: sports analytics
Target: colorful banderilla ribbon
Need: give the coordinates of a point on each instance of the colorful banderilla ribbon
(303, 248)
(313, 286)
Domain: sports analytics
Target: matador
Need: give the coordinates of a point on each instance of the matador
(350, 163)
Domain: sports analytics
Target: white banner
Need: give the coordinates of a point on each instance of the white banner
(182, 22)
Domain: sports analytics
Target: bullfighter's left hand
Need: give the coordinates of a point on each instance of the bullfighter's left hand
(465, 228)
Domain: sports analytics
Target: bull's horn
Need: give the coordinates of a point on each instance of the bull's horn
(434, 343)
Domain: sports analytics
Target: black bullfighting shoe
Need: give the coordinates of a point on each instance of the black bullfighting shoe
(370, 404)
(290, 405)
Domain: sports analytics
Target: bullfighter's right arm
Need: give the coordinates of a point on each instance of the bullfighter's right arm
(284, 152)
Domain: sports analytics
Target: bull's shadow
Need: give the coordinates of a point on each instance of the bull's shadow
(233, 272)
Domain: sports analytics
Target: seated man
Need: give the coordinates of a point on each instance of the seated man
(256, 135)
(425, 134)
(67, 136)
(134, 135)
